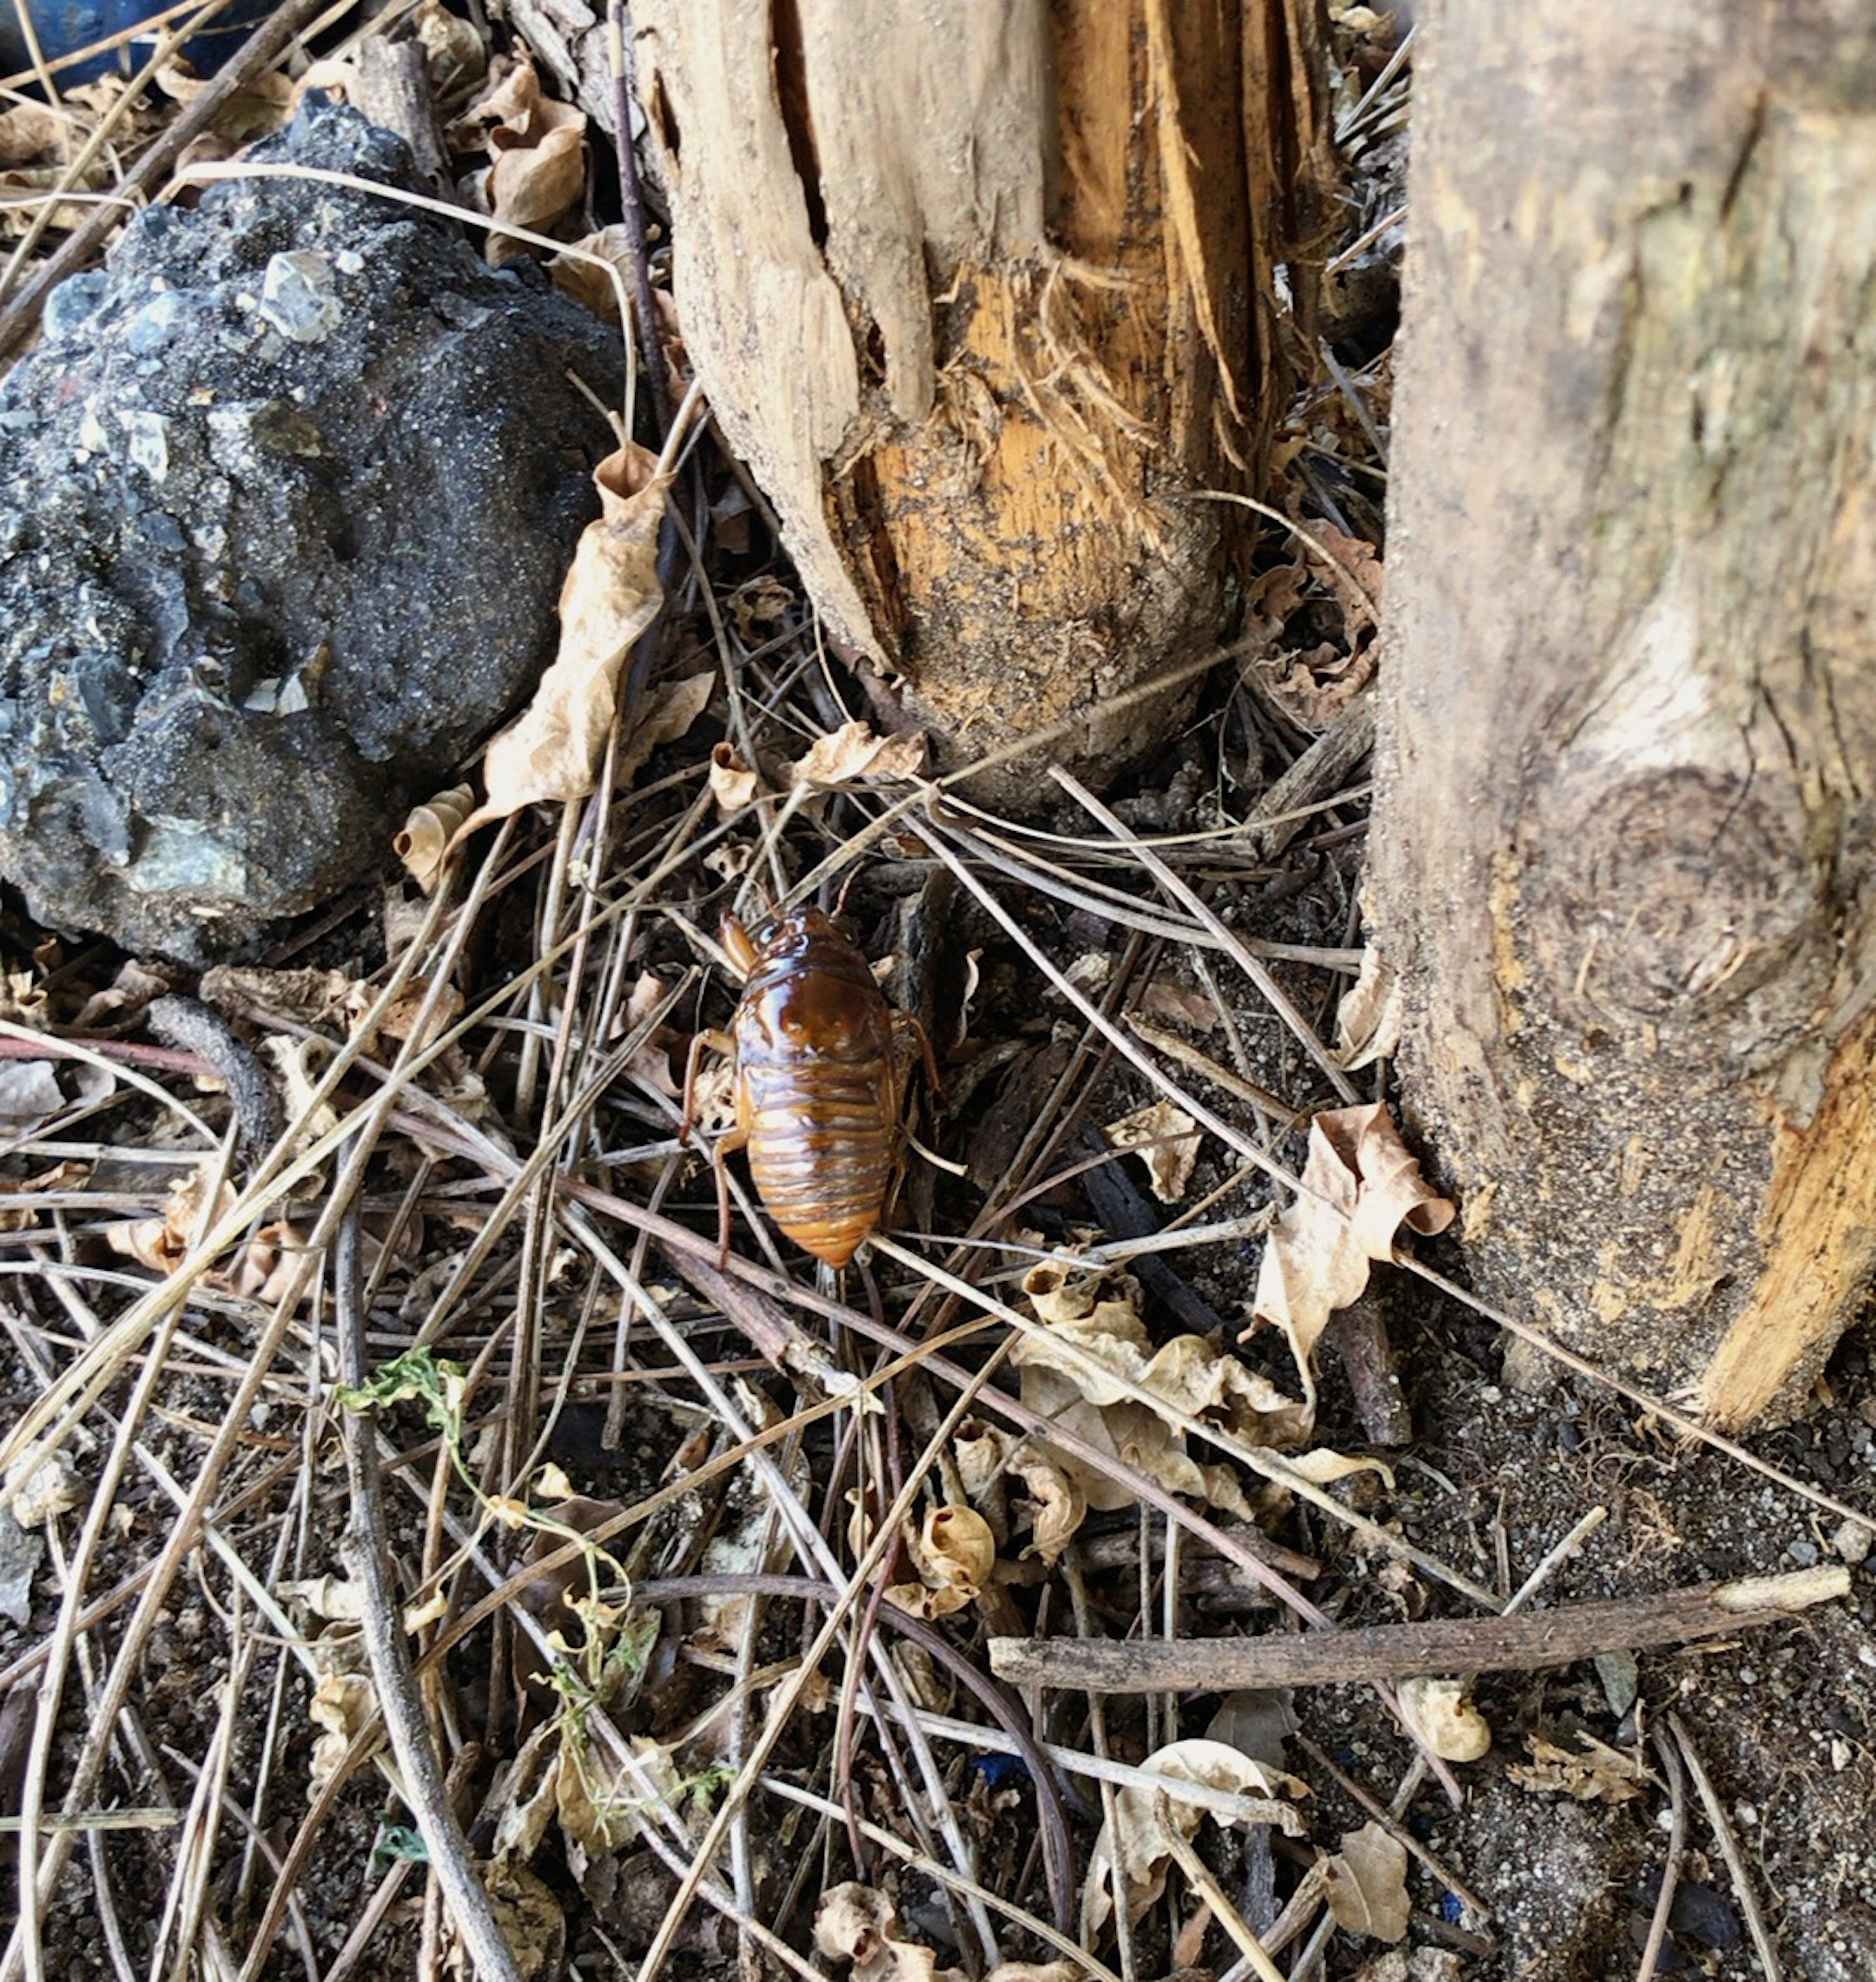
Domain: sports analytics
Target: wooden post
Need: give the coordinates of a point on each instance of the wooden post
(982, 294)
(1628, 730)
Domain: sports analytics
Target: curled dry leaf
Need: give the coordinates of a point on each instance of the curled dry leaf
(537, 171)
(162, 1243)
(652, 1062)
(343, 1700)
(1135, 1845)
(1093, 1369)
(575, 274)
(454, 52)
(1444, 1719)
(1368, 1020)
(1317, 1256)
(990, 1453)
(299, 1063)
(22, 998)
(403, 1018)
(124, 999)
(424, 842)
(954, 1553)
(1367, 1884)
(551, 752)
(853, 752)
(858, 1924)
(1167, 1139)
(732, 783)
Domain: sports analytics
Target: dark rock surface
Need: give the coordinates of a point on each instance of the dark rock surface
(286, 496)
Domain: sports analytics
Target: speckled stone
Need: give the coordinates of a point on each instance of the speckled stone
(286, 496)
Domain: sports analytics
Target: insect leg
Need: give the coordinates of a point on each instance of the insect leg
(710, 1036)
(905, 1018)
(731, 1139)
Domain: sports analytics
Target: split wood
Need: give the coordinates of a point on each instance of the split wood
(1515, 1643)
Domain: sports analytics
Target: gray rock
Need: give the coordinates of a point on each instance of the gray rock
(286, 496)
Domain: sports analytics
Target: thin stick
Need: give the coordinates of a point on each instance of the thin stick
(1729, 1849)
(366, 1553)
(1676, 1844)
(1198, 1877)
(1520, 1643)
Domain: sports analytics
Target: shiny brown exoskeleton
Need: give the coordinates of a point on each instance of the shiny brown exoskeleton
(818, 1082)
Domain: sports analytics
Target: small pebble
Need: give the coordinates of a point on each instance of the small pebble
(1851, 1542)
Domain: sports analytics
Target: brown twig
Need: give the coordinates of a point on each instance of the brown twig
(1517, 1644)
(1677, 1845)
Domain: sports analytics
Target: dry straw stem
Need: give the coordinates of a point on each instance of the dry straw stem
(1743, 1887)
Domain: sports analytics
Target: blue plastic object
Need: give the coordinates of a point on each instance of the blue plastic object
(63, 26)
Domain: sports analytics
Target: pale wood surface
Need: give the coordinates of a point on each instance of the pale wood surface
(982, 293)
(1628, 726)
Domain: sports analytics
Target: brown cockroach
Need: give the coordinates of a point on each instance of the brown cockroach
(819, 1064)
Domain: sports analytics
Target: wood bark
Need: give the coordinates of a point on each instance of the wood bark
(1628, 727)
(983, 294)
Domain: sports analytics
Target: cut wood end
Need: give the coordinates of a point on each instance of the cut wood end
(1797, 1591)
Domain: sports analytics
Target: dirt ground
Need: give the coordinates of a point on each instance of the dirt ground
(577, 1375)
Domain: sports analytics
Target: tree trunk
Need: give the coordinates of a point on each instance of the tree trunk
(1624, 856)
(982, 293)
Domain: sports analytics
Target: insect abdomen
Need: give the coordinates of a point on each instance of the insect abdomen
(820, 1154)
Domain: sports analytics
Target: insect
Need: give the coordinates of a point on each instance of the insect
(818, 1081)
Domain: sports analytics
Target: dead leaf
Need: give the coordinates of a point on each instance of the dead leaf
(532, 1921)
(1440, 1717)
(536, 146)
(1178, 1002)
(454, 52)
(162, 1243)
(574, 274)
(853, 752)
(1313, 685)
(1095, 1371)
(312, 997)
(300, 1065)
(1369, 1019)
(31, 1092)
(22, 998)
(1167, 1139)
(651, 1064)
(343, 1700)
(1594, 1774)
(551, 752)
(859, 1924)
(1351, 569)
(732, 783)
(424, 842)
(30, 134)
(403, 1018)
(1317, 1256)
(1367, 1884)
(954, 1552)
(123, 1000)
(1134, 1844)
